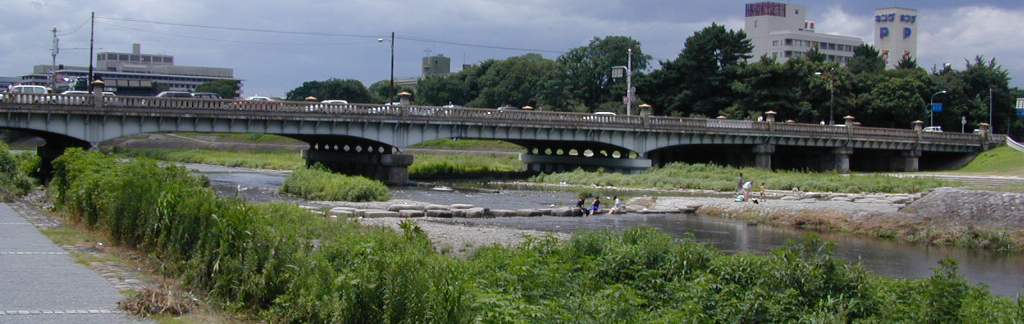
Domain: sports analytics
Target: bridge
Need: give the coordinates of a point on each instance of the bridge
(368, 139)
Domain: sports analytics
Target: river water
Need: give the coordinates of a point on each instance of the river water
(1002, 273)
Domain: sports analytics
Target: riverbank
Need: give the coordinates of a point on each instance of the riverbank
(963, 217)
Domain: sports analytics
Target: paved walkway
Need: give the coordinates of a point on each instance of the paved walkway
(40, 283)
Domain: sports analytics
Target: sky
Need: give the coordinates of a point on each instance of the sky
(275, 46)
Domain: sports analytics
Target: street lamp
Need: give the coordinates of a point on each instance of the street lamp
(831, 94)
(931, 105)
(391, 91)
(617, 72)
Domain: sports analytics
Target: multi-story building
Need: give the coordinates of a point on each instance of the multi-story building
(781, 31)
(133, 73)
(896, 34)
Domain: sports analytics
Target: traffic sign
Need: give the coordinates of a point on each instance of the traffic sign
(937, 106)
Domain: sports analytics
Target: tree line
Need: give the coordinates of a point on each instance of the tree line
(713, 76)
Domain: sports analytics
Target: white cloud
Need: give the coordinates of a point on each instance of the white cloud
(955, 35)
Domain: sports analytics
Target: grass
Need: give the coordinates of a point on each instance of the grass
(468, 145)
(723, 178)
(447, 164)
(1000, 161)
(255, 159)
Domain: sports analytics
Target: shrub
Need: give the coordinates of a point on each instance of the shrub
(319, 184)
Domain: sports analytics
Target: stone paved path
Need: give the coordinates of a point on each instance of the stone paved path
(40, 283)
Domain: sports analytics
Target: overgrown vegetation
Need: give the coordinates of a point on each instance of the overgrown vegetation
(318, 183)
(14, 172)
(288, 265)
(723, 178)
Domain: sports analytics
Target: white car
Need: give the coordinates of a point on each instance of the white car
(937, 129)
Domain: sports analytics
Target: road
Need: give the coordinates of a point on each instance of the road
(41, 283)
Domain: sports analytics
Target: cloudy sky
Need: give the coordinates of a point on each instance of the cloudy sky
(276, 45)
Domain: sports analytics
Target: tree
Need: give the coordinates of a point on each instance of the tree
(698, 81)
(225, 88)
(907, 62)
(768, 85)
(968, 95)
(442, 90)
(582, 76)
(515, 81)
(349, 89)
(866, 59)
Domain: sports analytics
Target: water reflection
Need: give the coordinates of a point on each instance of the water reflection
(1003, 273)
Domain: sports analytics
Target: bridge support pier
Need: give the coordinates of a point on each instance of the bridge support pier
(562, 163)
(910, 160)
(764, 153)
(842, 162)
(390, 168)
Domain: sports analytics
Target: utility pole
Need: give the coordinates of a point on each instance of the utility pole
(92, 39)
(990, 108)
(53, 55)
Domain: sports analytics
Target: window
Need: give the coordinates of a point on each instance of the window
(789, 42)
(775, 43)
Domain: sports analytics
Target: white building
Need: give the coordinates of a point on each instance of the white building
(895, 34)
(781, 31)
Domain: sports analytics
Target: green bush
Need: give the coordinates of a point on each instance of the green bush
(319, 184)
(15, 170)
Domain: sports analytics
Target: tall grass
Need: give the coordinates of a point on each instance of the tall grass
(288, 265)
(1003, 160)
(448, 164)
(318, 183)
(255, 159)
(723, 178)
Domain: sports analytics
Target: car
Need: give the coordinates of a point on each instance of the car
(34, 89)
(323, 105)
(205, 95)
(175, 94)
(604, 113)
(507, 107)
(937, 129)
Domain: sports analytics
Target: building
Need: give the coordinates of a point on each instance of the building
(895, 34)
(781, 31)
(432, 65)
(436, 65)
(133, 73)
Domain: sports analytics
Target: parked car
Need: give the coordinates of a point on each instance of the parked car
(937, 129)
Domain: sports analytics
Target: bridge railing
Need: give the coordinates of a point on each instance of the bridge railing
(482, 115)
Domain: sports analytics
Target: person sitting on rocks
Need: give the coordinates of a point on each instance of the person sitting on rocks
(579, 205)
(617, 207)
(596, 205)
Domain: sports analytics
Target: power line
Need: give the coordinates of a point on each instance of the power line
(260, 30)
(257, 30)
(226, 40)
(76, 29)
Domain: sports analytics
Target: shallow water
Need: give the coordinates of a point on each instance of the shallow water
(1004, 274)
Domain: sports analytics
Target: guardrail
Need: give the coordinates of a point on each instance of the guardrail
(1013, 144)
(490, 116)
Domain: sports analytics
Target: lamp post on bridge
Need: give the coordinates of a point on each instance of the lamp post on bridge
(831, 93)
(931, 105)
(390, 92)
(618, 71)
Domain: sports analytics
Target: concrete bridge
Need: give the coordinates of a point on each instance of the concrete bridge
(368, 139)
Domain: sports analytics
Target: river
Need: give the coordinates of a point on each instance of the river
(1002, 273)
